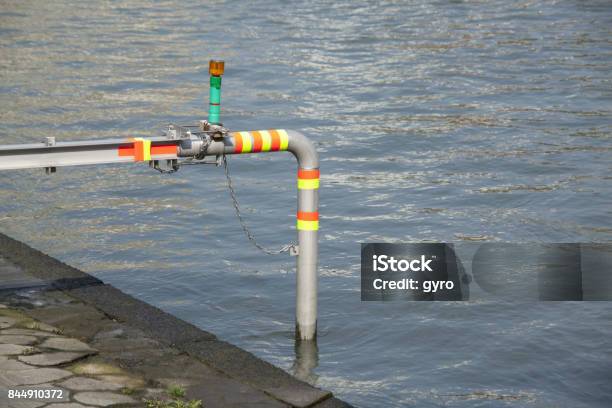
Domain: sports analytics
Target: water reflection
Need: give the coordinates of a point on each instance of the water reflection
(306, 360)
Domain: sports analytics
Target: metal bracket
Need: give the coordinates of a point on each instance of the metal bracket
(165, 166)
(50, 141)
(217, 132)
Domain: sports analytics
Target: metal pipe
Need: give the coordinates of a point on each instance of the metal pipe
(50, 155)
(307, 222)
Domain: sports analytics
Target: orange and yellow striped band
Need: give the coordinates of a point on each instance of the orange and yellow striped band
(307, 221)
(308, 179)
(142, 150)
(256, 141)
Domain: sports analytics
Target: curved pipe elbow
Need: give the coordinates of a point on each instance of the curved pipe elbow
(303, 149)
(299, 145)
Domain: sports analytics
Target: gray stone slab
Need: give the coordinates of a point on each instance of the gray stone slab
(112, 332)
(6, 321)
(215, 389)
(125, 344)
(28, 332)
(11, 349)
(243, 366)
(53, 359)
(332, 403)
(216, 393)
(298, 396)
(103, 399)
(23, 403)
(76, 320)
(17, 339)
(7, 364)
(89, 384)
(37, 375)
(96, 368)
(143, 316)
(66, 344)
(43, 327)
(68, 405)
(123, 380)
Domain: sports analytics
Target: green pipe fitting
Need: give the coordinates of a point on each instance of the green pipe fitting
(216, 69)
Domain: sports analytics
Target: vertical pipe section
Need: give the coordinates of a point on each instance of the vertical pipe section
(308, 231)
(307, 210)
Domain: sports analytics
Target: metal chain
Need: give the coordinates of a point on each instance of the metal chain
(245, 228)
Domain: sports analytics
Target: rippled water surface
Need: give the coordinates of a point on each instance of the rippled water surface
(445, 121)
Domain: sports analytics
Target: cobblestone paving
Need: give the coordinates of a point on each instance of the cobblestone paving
(36, 357)
(104, 367)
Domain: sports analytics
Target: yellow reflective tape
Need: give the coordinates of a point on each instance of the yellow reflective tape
(266, 140)
(146, 150)
(307, 225)
(284, 139)
(308, 184)
(247, 142)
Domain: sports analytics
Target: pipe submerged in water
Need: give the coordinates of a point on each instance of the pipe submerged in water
(307, 217)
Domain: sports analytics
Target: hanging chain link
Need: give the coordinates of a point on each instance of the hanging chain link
(207, 139)
(245, 228)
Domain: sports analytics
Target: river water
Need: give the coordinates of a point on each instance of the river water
(442, 121)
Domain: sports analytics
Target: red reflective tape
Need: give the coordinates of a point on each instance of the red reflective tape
(308, 174)
(308, 216)
(275, 146)
(126, 150)
(164, 149)
(237, 143)
(257, 141)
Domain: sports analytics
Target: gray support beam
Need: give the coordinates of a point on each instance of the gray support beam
(41, 155)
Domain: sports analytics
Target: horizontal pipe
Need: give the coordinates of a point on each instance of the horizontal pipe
(298, 144)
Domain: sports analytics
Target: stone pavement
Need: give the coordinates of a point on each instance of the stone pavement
(101, 347)
(36, 356)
